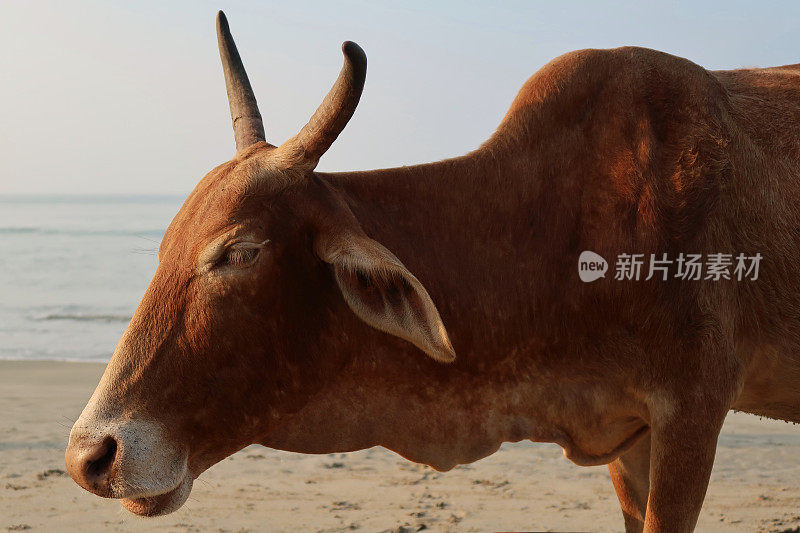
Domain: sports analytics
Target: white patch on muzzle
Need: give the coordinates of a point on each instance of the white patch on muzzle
(147, 463)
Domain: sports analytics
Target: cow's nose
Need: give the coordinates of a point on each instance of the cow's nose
(90, 464)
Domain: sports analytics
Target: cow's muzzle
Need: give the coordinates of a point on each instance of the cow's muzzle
(131, 460)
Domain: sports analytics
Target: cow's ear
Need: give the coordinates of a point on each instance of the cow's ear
(385, 294)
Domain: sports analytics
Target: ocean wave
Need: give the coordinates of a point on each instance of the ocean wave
(93, 199)
(19, 230)
(85, 317)
(53, 359)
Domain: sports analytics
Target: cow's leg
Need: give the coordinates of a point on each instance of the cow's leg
(630, 473)
(682, 448)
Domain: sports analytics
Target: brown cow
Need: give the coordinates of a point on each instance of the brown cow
(306, 311)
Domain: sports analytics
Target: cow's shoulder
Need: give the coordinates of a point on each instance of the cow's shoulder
(638, 138)
(628, 82)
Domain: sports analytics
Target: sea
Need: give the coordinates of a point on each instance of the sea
(73, 269)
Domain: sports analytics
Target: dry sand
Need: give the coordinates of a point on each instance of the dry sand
(524, 486)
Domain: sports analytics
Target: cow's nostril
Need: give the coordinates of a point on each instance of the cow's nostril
(91, 464)
(99, 461)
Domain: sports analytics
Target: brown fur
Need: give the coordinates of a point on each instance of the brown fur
(615, 151)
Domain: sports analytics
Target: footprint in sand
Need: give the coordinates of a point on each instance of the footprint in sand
(53, 472)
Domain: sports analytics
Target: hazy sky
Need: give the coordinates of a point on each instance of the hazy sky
(128, 97)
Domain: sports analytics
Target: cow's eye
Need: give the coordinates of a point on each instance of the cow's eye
(239, 255)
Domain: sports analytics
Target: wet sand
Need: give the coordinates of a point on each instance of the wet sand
(525, 486)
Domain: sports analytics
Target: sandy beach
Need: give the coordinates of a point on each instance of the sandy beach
(524, 486)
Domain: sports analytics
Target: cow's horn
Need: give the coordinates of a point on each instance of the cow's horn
(335, 111)
(247, 124)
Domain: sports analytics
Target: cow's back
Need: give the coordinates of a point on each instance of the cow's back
(766, 104)
(764, 210)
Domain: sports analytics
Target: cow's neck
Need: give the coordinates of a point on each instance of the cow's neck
(473, 231)
(392, 395)
(469, 229)
(436, 215)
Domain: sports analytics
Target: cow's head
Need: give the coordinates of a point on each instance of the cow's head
(244, 319)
